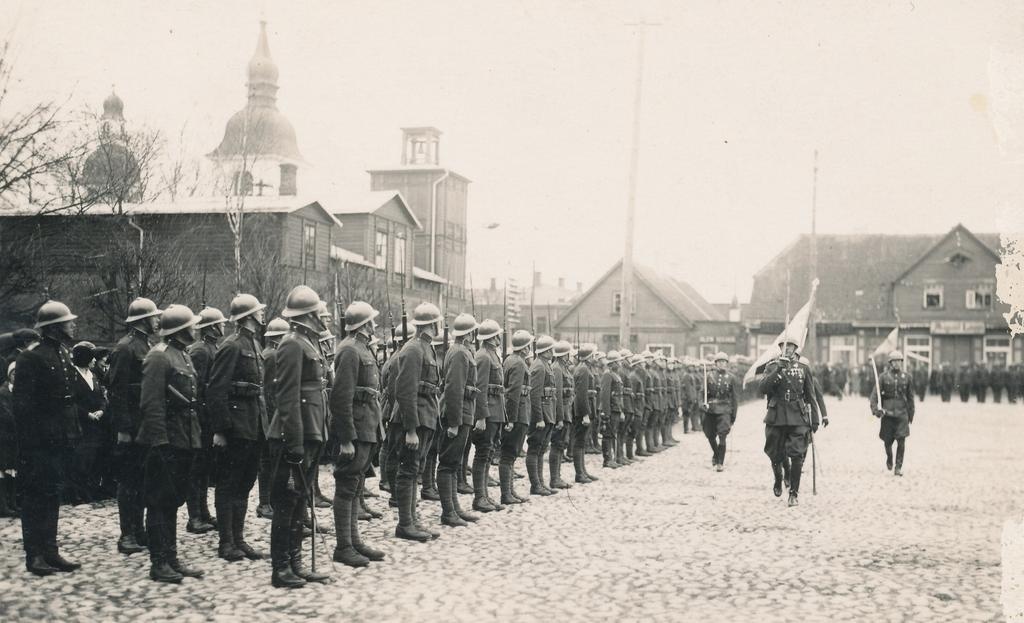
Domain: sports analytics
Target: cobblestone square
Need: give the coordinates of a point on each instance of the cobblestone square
(668, 539)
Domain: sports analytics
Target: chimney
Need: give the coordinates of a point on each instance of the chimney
(536, 278)
(579, 286)
(561, 282)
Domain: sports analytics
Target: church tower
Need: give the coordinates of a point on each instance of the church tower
(259, 154)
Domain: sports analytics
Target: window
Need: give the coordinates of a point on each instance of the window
(668, 349)
(932, 296)
(380, 250)
(918, 349)
(979, 297)
(400, 253)
(997, 349)
(617, 303)
(708, 350)
(309, 245)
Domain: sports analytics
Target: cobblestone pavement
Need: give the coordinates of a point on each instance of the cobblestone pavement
(667, 539)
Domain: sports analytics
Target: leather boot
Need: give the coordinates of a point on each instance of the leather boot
(523, 499)
(265, 511)
(373, 554)
(608, 454)
(406, 528)
(464, 515)
(540, 476)
(5, 497)
(238, 511)
(36, 565)
(283, 577)
(204, 509)
(579, 464)
(786, 471)
(416, 519)
(445, 487)
(58, 562)
(430, 491)
(554, 462)
(185, 570)
(295, 561)
(481, 503)
(128, 545)
(794, 479)
(365, 508)
(344, 551)
(505, 478)
(225, 528)
(161, 571)
(583, 463)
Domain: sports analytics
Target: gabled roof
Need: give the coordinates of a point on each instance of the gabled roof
(341, 254)
(856, 272)
(956, 232)
(419, 168)
(369, 202)
(680, 297)
(265, 204)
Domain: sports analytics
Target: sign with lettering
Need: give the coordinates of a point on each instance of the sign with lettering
(957, 327)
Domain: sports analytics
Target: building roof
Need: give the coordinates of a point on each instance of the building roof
(419, 168)
(265, 204)
(680, 297)
(855, 272)
(344, 255)
(368, 202)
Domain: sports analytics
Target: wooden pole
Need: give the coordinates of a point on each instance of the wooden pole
(812, 330)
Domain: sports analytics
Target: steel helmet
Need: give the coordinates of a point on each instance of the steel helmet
(301, 300)
(585, 352)
(424, 314)
(625, 353)
(721, 356)
(437, 340)
(210, 316)
(614, 356)
(463, 324)
(600, 356)
(244, 305)
(358, 314)
(636, 359)
(786, 338)
(521, 339)
(277, 326)
(323, 312)
(562, 348)
(895, 356)
(141, 308)
(53, 312)
(488, 329)
(545, 343)
(177, 318)
(647, 355)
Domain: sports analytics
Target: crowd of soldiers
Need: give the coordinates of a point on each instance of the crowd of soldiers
(176, 407)
(980, 380)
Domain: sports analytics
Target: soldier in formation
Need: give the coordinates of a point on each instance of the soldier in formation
(202, 353)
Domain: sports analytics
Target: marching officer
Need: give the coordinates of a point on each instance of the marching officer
(562, 376)
(458, 409)
(543, 418)
(170, 430)
(202, 352)
(416, 390)
(789, 390)
(296, 435)
(517, 406)
(489, 416)
(276, 329)
(585, 393)
(720, 409)
(610, 408)
(896, 410)
(356, 418)
(47, 426)
(125, 386)
(238, 418)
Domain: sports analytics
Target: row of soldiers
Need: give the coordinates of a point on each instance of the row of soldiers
(266, 412)
(981, 380)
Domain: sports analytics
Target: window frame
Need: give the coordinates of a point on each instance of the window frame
(933, 288)
(309, 244)
(380, 256)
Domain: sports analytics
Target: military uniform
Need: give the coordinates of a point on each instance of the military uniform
(789, 420)
(458, 409)
(611, 414)
(947, 381)
(238, 412)
(997, 380)
(634, 433)
(202, 353)
(562, 377)
(963, 382)
(719, 412)
(356, 418)
(543, 399)
(295, 436)
(517, 406)
(623, 455)
(896, 412)
(393, 432)
(170, 430)
(584, 412)
(125, 386)
(490, 409)
(920, 375)
(980, 381)
(47, 428)
(269, 397)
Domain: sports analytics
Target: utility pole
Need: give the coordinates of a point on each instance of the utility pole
(626, 297)
(810, 349)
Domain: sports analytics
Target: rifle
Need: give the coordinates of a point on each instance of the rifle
(504, 340)
(472, 304)
(405, 316)
(390, 322)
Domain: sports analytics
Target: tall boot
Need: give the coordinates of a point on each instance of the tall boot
(536, 480)
(628, 441)
(490, 481)
(445, 486)
(888, 455)
(777, 472)
(171, 555)
(434, 534)
(505, 480)
(900, 448)
(797, 463)
(540, 476)
(555, 468)
(367, 512)
(456, 505)
(481, 502)
(373, 554)
(5, 496)
(344, 551)
(407, 528)
(430, 491)
(641, 442)
(160, 570)
(238, 510)
(225, 529)
(295, 561)
(204, 505)
(461, 485)
(578, 461)
(608, 454)
(721, 453)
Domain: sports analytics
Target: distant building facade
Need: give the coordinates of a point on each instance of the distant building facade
(941, 289)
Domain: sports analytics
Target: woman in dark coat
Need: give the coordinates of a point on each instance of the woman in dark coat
(91, 403)
(8, 447)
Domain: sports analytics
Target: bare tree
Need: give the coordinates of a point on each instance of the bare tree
(182, 175)
(263, 271)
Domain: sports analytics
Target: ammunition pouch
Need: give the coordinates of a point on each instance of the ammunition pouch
(428, 390)
(365, 394)
(241, 389)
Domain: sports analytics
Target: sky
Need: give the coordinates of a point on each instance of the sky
(916, 110)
